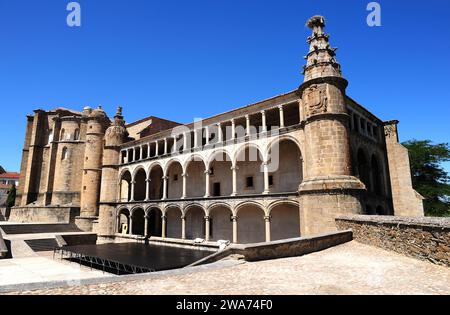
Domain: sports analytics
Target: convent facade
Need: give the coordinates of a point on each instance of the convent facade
(280, 168)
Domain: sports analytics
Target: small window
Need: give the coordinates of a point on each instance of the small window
(216, 189)
(61, 137)
(76, 134)
(64, 154)
(175, 177)
(84, 188)
(211, 171)
(270, 180)
(249, 182)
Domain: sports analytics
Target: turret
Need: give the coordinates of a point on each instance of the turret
(114, 137)
(329, 189)
(97, 122)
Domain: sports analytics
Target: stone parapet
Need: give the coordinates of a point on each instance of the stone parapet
(418, 237)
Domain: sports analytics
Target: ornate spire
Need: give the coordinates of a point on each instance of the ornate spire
(321, 58)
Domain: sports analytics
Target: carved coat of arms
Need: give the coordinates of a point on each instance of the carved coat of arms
(316, 100)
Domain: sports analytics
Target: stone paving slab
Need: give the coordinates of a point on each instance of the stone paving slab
(352, 268)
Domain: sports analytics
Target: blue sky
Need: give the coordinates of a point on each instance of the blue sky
(185, 59)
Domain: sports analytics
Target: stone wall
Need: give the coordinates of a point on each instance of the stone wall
(281, 249)
(76, 239)
(49, 214)
(418, 237)
(3, 248)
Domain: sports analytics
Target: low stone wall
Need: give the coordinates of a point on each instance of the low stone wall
(43, 214)
(76, 239)
(281, 249)
(419, 237)
(3, 248)
(4, 213)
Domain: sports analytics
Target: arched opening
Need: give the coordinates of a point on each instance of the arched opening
(363, 169)
(140, 178)
(377, 176)
(251, 224)
(220, 223)
(284, 221)
(125, 187)
(195, 223)
(220, 175)
(64, 153)
(123, 224)
(156, 183)
(76, 135)
(173, 223)
(285, 166)
(154, 221)
(138, 222)
(175, 180)
(250, 175)
(196, 178)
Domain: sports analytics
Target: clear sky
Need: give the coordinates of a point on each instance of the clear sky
(185, 59)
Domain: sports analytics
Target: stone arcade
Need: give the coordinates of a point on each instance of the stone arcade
(157, 178)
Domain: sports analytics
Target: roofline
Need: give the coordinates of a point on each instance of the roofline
(147, 118)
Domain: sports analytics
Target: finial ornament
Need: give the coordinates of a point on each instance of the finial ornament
(316, 21)
(119, 111)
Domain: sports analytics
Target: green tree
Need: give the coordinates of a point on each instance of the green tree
(11, 196)
(429, 177)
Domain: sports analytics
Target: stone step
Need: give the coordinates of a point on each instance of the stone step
(42, 245)
(11, 229)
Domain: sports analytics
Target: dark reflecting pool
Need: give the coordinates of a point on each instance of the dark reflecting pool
(107, 257)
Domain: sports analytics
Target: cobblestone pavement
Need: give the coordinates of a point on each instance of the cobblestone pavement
(352, 268)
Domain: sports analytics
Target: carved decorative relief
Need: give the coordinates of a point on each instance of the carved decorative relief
(390, 131)
(316, 99)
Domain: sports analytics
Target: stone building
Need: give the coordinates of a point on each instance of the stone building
(279, 168)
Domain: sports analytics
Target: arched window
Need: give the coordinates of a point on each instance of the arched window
(61, 136)
(377, 174)
(363, 169)
(64, 154)
(76, 135)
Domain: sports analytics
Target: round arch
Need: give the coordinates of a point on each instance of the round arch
(195, 168)
(173, 215)
(137, 221)
(174, 172)
(284, 220)
(250, 223)
(220, 222)
(125, 180)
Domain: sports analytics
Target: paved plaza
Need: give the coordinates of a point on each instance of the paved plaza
(352, 268)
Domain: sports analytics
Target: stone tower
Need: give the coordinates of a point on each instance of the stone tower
(328, 189)
(97, 122)
(114, 137)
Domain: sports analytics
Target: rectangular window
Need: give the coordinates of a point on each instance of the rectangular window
(270, 180)
(249, 182)
(216, 189)
(175, 177)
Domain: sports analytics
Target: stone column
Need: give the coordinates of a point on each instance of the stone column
(174, 149)
(183, 227)
(146, 225)
(234, 174)
(148, 150)
(219, 133)
(267, 220)
(185, 141)
(207, 191)
(147, 188)
(141, 152)
(165, 178)
(247, 124)
(130, 228)
(264, 121)
(164, 222)
(165, 146)
(233, 129)
(281, 110)
(195, 139)
(156, 148)
(235, 229)
(132, 190)
(207, 135)
(134, 154)
(266, 178)
(207, 228)
(116, 228)
(185, 175)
